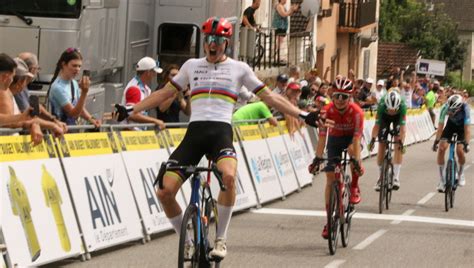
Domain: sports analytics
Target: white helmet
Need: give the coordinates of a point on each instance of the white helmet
(455, 102)
(392, 100)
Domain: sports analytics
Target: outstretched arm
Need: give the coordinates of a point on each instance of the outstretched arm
(155, 98)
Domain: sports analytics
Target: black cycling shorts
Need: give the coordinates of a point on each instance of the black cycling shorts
(210, 138)
(452, 128)
(385, 123)
(335, 147)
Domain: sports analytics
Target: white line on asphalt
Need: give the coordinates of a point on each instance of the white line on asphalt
(426, 198)
(335, 264)
(369, 216)
(369, 239)
(406, 213)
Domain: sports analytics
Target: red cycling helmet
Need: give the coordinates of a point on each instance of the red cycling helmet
(217, 26)
(342, 85)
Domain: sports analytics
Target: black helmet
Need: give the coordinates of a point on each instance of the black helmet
(282, 78)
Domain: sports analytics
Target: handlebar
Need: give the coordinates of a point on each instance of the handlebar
(194, 170)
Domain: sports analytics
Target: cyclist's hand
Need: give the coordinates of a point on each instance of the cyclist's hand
(314, 167)
(121, 112)
(160, 124)
(371, 145)
(435, 146)
(311, 118)
(466, 146)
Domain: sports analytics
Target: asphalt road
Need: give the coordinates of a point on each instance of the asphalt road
(415, 232)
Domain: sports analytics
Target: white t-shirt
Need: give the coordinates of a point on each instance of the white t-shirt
(407, 94)
(215, 87)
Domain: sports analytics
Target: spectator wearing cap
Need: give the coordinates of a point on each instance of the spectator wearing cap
(29, 62)
(66, 96)
(138, 89)
(365, 99)
(281, 84)
(380, 90)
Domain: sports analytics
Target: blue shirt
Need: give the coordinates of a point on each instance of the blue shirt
(60, 95)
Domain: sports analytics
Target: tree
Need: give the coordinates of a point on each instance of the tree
(432, 32)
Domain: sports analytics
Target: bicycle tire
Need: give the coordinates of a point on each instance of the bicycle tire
(189, 222)
(333, 219)
(383, 185)
(448, 185)
(455, 184)
(388, 196)
(346, 224)
(210, 228)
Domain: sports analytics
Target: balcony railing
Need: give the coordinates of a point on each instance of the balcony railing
(357, 13)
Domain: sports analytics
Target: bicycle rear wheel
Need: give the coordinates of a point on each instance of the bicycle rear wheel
(389, 175)
(383, 186)
(210, 222)
(333, 218)
(189, 228)
(346, 224)
(448, 184)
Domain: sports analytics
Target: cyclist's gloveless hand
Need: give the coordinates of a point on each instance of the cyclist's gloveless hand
(120, 112)
(435, 146)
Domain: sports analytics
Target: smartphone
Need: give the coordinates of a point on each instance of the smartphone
(86, 73)
(34, 103)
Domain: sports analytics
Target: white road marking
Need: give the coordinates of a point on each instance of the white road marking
(426, 198)
(406, 213)
(369, 239)
(368, 216)
(335, 264)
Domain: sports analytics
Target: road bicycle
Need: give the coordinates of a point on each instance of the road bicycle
(340, 210)
(200, 217)
(386, 177)
(450, 179)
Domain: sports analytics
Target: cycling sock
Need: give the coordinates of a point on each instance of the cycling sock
(224, 213)
(441, 172)
(176, 222)
(396, 171)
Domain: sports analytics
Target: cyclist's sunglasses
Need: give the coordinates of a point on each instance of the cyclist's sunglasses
(219, 40)
(341, 96)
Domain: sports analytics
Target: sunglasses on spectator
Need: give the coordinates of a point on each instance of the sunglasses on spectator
(219, 40)
(341, 96)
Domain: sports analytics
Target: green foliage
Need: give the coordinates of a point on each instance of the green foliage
(430, 31)
(454, 79)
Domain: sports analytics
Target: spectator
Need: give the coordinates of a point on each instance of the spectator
(168, 111)
(281, 84)
(248, 19)
(10, 115)
(280, 22)
(418, 97)
(254, 111)
(380, 90)
(393, 79)
(137, 90)
(430, 100)
(364, 98)
(294, 74)
(67, 103)
(293, 93)
(406, 92)
(29, 62)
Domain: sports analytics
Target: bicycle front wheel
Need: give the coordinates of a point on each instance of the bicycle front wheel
(189, 248)
(210, 222)
(346, 224)
(383, 186)
(448, 184)
(389, 176)
(333, 218)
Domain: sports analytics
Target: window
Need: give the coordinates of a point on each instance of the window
(42, 8)
(178, 42)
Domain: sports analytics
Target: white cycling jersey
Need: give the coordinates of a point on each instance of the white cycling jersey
(215, 87)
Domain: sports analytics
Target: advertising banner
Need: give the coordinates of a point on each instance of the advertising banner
(260, 162)
(142, 153)
(37, 220)
(297, 156)
(281, 158)
(100, 189)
